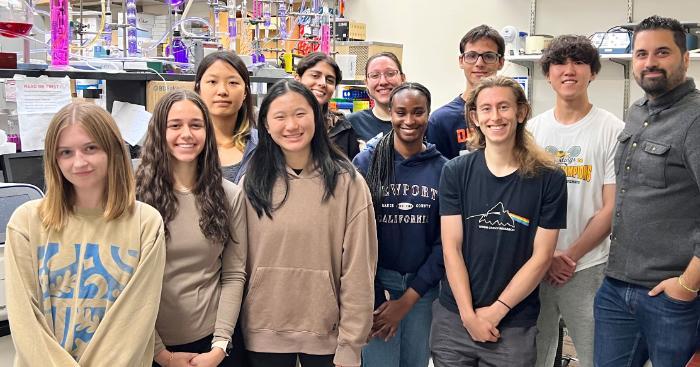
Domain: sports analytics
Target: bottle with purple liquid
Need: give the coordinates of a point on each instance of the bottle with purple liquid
(178, 49)
(13, 131)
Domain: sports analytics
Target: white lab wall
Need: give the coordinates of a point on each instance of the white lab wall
(430, 32)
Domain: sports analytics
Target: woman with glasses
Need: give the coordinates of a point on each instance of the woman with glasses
(383, 73)
(480, 56)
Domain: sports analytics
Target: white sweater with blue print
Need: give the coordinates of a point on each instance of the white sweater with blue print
(87, 295)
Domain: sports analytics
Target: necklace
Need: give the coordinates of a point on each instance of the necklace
(183, 189)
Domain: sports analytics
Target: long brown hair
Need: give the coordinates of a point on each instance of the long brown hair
(119, 194)
(531, 157)
(154, 177)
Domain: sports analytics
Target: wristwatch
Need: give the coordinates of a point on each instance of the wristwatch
(224, 345)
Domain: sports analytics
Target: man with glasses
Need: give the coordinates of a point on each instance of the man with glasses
(480, 55)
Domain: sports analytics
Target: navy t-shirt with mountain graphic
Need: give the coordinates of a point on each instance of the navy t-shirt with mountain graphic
(500, 216)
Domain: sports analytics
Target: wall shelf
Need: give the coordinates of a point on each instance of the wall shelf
(624, 60)
(131, 86)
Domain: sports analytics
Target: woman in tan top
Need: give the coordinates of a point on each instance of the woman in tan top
(313, 241)
(206, 240)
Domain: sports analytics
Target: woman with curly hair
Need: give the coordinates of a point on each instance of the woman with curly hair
(87, 260)
(206, 242)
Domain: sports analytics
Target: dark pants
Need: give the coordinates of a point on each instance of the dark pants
(235, 359)
(239, 355)
(452, 346)
(631, 327)
(289, 360)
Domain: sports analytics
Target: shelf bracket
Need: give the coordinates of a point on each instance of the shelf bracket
(630, 11)
(533, 16)
(626, 93)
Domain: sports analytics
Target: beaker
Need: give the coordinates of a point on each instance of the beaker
(15, 18)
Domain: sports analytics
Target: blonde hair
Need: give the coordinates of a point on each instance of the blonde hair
(119, 195)
(531, 157)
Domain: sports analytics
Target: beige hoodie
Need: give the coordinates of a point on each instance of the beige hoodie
(311, 269)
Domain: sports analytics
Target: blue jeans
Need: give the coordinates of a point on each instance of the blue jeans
(631, 327)
(409, 347)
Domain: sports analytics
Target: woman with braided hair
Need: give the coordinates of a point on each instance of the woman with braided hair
(403, 174)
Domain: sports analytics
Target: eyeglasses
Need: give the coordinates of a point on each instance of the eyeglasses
(471, 57)
(389, 74)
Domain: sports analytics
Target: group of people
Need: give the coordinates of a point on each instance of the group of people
(383, 238)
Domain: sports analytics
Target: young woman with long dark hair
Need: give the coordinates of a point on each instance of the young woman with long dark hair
(223, 82)
(312, 240)
(321, 74)
(205, 231)
(403, 174)
(84, 264)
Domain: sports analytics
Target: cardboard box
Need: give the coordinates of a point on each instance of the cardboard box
(363, 50)
(155, 90)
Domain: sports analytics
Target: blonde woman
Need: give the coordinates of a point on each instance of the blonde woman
(85, 263)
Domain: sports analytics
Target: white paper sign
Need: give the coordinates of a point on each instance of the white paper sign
(10, 90)
(132, 120)
(38, 99)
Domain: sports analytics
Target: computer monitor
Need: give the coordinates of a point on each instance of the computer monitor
(11, 197)
(24, 167)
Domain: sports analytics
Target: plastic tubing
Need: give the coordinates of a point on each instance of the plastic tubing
(100, 29)
(30, 38)
(192, 19)
(177, 24)
(102, 61)
(36, 11)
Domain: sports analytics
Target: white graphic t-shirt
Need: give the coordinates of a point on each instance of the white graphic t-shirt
(585, 150)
